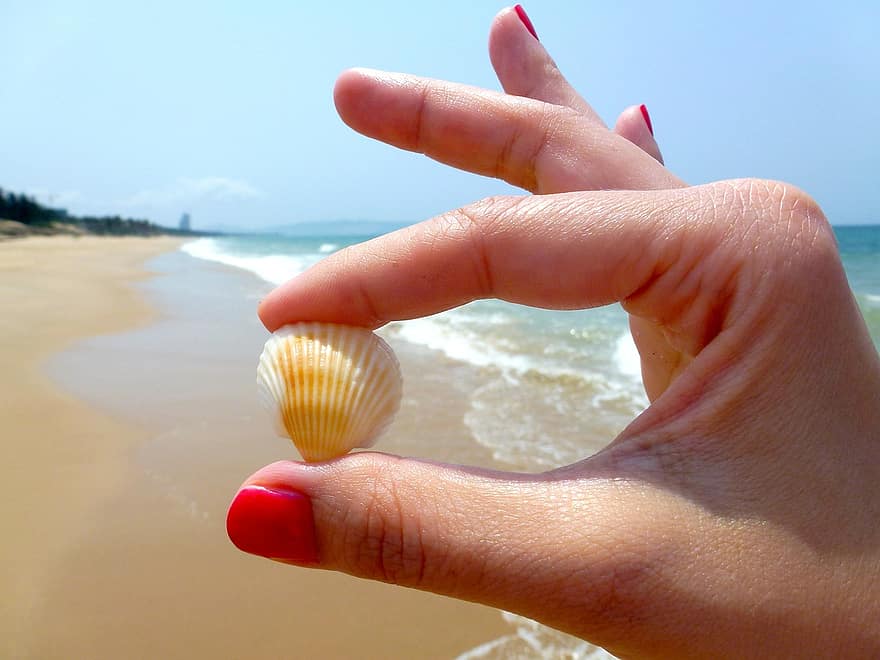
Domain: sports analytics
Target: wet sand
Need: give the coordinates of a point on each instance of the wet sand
(57, 456)
(115, 501)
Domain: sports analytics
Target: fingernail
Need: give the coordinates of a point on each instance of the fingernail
(273, 523)
(524, 17)
(647, 118)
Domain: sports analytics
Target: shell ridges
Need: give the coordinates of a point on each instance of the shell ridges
(331, 387)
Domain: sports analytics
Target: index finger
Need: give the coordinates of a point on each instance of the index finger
(564, 251)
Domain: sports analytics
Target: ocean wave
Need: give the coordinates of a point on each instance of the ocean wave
(626, 356)
(532, 426)
(466, 339)
(531, 640)
(452, 341)
(554, 390)
(273, 268)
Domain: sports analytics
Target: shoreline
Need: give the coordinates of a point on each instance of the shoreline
(80, 227)
(60, 457)
(142, 564)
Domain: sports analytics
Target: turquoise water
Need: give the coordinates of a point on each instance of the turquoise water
(556, 386)
(860, 251)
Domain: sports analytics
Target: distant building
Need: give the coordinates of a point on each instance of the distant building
(184, 222)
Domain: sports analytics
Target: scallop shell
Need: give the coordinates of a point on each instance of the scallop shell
(330, 387)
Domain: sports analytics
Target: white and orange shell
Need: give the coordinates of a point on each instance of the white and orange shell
(330, 387)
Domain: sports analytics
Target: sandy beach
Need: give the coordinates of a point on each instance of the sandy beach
(58, 456)
(128, 420)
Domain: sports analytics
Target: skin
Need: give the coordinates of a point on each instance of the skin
(737, 516)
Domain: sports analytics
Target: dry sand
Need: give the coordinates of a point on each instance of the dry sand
(56, 456)
(114, 500)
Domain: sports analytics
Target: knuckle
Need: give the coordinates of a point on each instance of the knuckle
(417, 140)
(789, 214)
(384, 536)
(808, 229)
(777, 245)
(778, 223)
(622, 593)
(542, 130)
(362, 297)
(476, 226)
(620, 589)
(624, 590)
(489, 215)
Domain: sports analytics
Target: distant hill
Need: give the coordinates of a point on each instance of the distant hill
(334, 228)
(21, 215)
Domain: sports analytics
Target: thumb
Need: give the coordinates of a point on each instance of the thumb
(490, 537)
(385, 518)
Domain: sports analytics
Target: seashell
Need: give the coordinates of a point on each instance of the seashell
(330, 387)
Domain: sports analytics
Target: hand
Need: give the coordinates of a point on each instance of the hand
(736, 516)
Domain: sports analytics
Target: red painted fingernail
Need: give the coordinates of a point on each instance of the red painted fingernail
(524, 17)
(647, 118)
(273, 523)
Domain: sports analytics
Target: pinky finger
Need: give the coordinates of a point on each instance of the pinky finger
(635, 125)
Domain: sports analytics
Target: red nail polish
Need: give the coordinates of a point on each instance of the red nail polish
(273, 523)
(647, 118)
(524, 17)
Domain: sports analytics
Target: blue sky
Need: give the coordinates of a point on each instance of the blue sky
(224, 109)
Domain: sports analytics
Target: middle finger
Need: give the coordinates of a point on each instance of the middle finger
(537, 146)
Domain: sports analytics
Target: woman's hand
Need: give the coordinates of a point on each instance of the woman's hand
(737, 516)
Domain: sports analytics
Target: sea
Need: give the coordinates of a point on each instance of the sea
(553, 386)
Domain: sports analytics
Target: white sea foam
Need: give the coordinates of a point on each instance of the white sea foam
(274, 268)
(871, 298)
(626, 356)
(327, 248)
(457, 343)
(551, 396)
(531, 640)
(464, 336)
